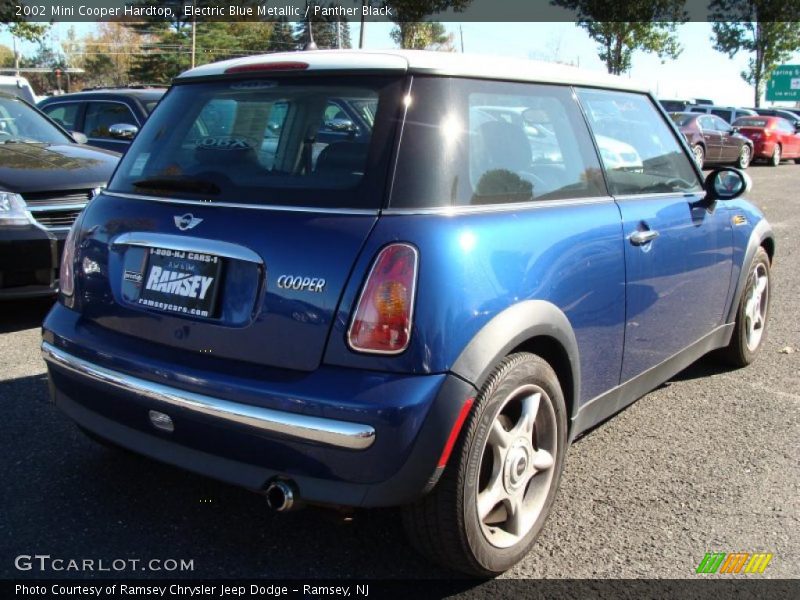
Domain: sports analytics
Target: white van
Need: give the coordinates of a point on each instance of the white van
(17, 86)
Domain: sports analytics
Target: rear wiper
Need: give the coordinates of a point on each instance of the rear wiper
(169, 184)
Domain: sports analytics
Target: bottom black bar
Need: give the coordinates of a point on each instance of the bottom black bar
(685, 589)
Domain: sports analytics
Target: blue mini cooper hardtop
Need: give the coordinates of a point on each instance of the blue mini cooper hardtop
(399, 279)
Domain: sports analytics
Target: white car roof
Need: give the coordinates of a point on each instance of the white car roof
(421, 61)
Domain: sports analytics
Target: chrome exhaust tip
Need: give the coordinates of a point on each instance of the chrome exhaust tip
(281, 496)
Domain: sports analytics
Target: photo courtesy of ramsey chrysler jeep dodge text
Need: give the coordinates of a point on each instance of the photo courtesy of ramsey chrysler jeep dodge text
(399, 279)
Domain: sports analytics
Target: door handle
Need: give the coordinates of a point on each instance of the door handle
(640, 238)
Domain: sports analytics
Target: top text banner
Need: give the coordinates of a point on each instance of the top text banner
(399, 10)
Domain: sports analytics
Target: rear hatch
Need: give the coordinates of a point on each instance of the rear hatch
(233, 223)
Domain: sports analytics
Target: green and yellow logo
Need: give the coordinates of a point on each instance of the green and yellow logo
(734, 562)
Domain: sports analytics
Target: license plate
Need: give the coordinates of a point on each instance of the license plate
(178, 281)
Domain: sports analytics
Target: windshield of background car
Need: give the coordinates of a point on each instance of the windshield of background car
(470, 142)
(750, 122)
(311, 141)
(20, 123)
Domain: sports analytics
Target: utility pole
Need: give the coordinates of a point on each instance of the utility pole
(16, 55)
(194, 34)
(461, 33)
(361, 31)
(338, 34)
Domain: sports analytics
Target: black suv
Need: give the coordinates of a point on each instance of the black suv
(110, 118)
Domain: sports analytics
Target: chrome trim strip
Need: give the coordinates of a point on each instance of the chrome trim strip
(56, 207)
(483, 208)
(305, 428)
(699, 195)
(273, 207)
(147, 239)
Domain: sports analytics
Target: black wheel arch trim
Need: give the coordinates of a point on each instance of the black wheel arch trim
(762, 232)
(512, 328)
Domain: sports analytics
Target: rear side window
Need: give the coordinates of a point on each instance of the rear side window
(100, 116)
(65, 115)
(468, 142)
(293, 141)
(647, 158)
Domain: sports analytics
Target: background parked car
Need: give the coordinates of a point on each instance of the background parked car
(45, 181)
(110, 118)
(774, 138)
(727, 113)
(793, 118)
(17, 86)
(712, 140)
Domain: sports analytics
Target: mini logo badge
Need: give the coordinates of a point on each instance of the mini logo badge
(187, 221)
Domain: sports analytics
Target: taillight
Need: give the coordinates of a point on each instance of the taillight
(269, 66)
(383, 315)
(66, 277)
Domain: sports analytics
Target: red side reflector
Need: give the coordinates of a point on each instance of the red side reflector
(273, 66)
(451, 440)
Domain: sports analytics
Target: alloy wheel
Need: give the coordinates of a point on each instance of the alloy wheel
(755, 308)
(744, 157)
(516, 470)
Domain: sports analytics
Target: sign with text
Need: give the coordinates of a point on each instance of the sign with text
(784, 84)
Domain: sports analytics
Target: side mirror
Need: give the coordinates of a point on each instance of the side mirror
(341, 126)
(123, 131)
(735, 130)
(79, 137)
(727, 183)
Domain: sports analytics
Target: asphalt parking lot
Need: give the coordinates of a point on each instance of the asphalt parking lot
(708, 462)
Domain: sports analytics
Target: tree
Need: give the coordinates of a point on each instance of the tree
(427, 35)
(6, 56)
(108, 55)
(409, 17)
(282, 38)
(763, 28)
(620, 29)
(327, 32)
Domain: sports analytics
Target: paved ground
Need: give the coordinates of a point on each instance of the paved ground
(710, 461)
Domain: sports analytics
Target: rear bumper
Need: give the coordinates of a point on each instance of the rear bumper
(373, 440)
(762, 149)
(29, 261)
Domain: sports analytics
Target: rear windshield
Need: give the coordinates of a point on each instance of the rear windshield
(751, 122)
(681, 119)
(305, 141)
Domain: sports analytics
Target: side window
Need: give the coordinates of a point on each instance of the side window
(706, 123)
(630, 124)
(785, 126)
(100, 116)
(697, 109)
(528, 142)
(721, 125)
(727, 115)
(65, 115)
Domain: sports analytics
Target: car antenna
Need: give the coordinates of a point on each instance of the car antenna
(310, 44)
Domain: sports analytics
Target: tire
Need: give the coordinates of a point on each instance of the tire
(775, 159)
(797, 161)
(699, 155)
(444, 525)
(745, 156)
(750, 331)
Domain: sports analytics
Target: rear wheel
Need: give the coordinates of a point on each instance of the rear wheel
(699, 155)
(744, 157)
(775, 159)
(750, 330)
(495, 494)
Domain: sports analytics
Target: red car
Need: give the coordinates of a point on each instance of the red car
(713, 140)
(774, 138)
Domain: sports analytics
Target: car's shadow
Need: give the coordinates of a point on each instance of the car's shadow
(16, 315)
(67, 496)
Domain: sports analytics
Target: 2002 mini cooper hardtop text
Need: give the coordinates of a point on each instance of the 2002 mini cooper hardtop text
(399, 279)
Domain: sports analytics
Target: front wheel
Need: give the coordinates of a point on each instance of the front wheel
(485, 513)
(744, 157)
(750, 330)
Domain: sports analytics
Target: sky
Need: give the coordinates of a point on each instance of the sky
(699, 72)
